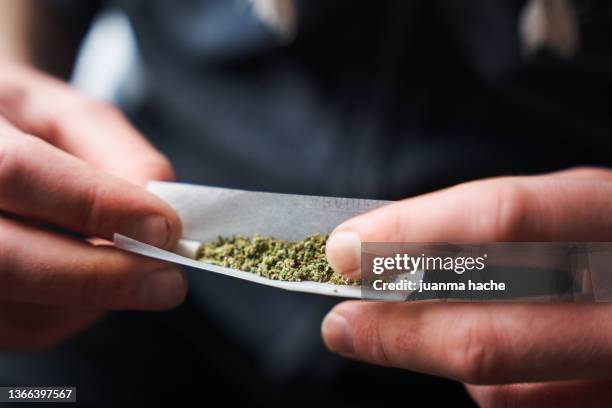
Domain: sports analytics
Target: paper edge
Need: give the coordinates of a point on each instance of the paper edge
(151, 188)
(134, 246)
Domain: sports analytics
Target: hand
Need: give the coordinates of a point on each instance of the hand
(519, 354)
(69, 167)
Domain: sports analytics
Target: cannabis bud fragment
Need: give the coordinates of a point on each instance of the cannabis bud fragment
(274, 258)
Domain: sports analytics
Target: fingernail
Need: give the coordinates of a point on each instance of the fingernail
(153, 230)
(337, 334)
(163, 289)
(343, 250)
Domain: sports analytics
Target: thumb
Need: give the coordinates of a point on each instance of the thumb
(557, 207)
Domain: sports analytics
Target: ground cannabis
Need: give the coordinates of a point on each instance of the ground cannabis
(274, 258)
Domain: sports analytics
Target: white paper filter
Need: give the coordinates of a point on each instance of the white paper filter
(209, 212)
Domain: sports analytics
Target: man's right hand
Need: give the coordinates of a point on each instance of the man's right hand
(71, 168)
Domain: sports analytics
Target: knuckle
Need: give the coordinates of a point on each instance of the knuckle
(587, 169)
(90, 209)
(474, 356)
(591, 172)
(63, 122)
(497, 397)
(5, 256)
(57, 126)
(110, 285)
(12, 94)
(158, 167)
(372, 342)
(11, 162)
(89, 290)
(506, 211)
(6, 147)
(16, 102)
(583, 168)
(6, 253)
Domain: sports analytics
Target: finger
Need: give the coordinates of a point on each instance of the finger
(38, 266)
(504, 209)
(496, 344)
(40, 181)
(567, 394)
(93, 131)
(32, 327)
(584, 173)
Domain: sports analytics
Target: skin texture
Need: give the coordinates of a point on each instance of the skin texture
(71, 167)
(509, 355)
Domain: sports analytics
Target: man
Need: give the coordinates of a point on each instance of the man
(385, 100)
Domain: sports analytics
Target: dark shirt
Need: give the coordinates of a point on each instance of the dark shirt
(378, 99)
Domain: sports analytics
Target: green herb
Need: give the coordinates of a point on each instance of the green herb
(274, 258)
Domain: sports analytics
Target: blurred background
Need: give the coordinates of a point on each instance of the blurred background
(120, 79)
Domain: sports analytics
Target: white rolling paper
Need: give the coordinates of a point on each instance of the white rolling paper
(209, 212)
